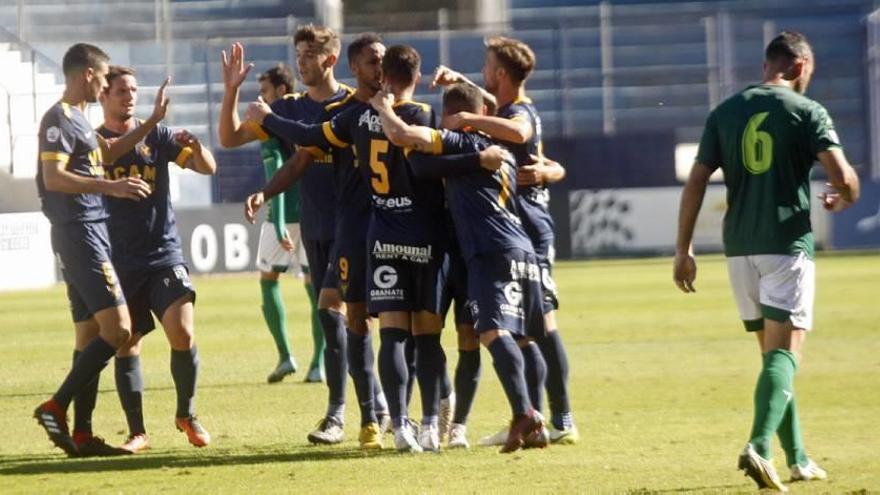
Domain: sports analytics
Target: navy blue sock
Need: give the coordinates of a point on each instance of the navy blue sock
(410, 351)
(185, 372)
(84, 403)
(360, 366)
(130, 387)
(445, 382)
(508, 362)
(335, 360)
(536, 374)
(467, 376)
(393, 371)
(557, 377)
(85, 369)
(429, 370)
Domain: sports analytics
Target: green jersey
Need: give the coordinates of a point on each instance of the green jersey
(284, 208)
(766, 139)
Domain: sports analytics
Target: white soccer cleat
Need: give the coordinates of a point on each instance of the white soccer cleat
(447, 406)
(458, 437)
(760, 470)
(429, 438)
(284, 368)
(499, 438)
(405, 439)
(810, 472)
(567, 436)
(328, 431)
(384, 424)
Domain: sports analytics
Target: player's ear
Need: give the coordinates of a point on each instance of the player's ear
(417, 78)
(796, 70)
(331, 60)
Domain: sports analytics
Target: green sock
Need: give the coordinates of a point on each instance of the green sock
(276, 318)
(789, 433)
(317, 331)
(772, 395)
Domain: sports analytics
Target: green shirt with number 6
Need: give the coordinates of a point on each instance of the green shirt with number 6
(766, 139)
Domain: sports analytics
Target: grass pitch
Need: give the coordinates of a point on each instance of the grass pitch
(661, 384)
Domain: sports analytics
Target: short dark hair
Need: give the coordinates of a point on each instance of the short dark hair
(83, 56)
(115, 72)
(462, 97)
(361, 42)
(401, 64)
(278, 75)
(513, 55)
(325, 37)
(788, 46)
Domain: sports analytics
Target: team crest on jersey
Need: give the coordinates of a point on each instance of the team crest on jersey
(145, 151)
(52, 134)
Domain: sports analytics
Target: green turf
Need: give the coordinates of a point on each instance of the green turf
(661, 383)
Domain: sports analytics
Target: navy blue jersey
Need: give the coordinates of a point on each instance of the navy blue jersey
(406, 209)
(143, 234)
(482, 203)
(352, 196)
(535, 200)
(66, 136)
(316, 190)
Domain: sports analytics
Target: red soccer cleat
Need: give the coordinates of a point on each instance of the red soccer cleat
(53, 419)
(90, 445)
(195, 432)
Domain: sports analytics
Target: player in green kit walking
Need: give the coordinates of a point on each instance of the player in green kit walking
(766, 139)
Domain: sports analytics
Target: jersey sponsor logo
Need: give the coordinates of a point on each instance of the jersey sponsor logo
(385, 277)
(387, 251)
(88, 135)
(520, 270)
(513, 293)
(392, 203)
(52, 134)
(371, 121)
(147, 173)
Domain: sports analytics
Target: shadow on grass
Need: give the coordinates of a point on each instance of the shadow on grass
(730, 488)
(24, 465)
(48, 393)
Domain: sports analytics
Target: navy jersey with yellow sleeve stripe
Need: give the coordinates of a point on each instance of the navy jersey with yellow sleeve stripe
(482, 203)
(66, 136)
(405, 208)
(143, 234)
(534, 200)
(316, 187)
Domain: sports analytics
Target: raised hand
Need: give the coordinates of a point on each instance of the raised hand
(382, 101)
(235, 70)
(455, 121)
(444, 76)
(160, 107)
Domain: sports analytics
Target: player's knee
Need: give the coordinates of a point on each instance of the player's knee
(467, 338)
(117, 337)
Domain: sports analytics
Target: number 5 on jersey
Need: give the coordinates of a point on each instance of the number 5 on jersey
(757, 146)
(379, 182)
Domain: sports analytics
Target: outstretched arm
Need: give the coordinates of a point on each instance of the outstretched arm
(685, 267)
(438, 166)
(291, 172)
(292, 131)
(510, 130)
(201, 160)
(542, 170)
(444, 76)
(235, 71)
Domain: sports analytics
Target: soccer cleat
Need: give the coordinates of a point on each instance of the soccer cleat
(54, 423)
(405, 438)
(759, 469)
(284, 368)
(370, 437)
(447, 406)
(524, 427)
(568, 436)
(136, 443)
(429, 438)
(537, 439)
(315, 375)
(195, 432)
(810, 472)
(458, 437)
(90, 445)
(499, 438)
(328, 431)
(384, 424)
